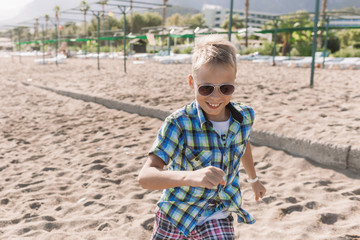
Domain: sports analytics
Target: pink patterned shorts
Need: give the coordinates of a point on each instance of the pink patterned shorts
(216, 229)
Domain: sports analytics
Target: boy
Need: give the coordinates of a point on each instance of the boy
(202, 145)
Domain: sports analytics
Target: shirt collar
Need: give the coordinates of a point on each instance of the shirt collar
(235, 113)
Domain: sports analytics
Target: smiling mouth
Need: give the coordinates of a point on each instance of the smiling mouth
(213, 106)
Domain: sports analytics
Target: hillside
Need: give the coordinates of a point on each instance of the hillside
(38, 8)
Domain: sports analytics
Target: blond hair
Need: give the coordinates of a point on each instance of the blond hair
(213, 50)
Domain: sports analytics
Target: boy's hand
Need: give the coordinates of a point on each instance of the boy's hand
(258, 189)
(208, 177)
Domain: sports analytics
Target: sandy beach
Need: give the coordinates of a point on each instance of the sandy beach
(281, 96)
(68, 168)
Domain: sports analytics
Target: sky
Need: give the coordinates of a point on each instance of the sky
(10, 8)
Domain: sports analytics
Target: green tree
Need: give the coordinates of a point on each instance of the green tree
(164, 12)
(237, 22)
(152, 19)
(36, 28)
(70, 29)
(194, 21)
(112, 24)
(322, 22)
(174, 20)
(246, 21)
(21, 31)
(47, 18)
(348, 37)
(300, 19)
(57, 14)
(103, 3)
(84, 7)
(140, 21)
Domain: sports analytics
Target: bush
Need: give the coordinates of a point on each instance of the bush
(333, 44)
(176, 50)
(188, 50)
(265, 49)
(150, 51)
(356, 45)
(105, 49)
(302, 48)
(347, 52)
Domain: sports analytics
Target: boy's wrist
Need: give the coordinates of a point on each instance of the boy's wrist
(187, 179)
(254, 180)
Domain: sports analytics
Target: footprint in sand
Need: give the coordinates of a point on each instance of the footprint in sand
(329, 218)
(312, 205)
(51, 226)
(98, 154)
(269, 199)
(49, 218)
(289, 210)
(104, 227)
(291, 200)
(352, 194)
(120, 165)
(350, 237)
(35, 205)
(117, 182)
(98, 196)
(23, 231)
(88, 203)
(148, 224)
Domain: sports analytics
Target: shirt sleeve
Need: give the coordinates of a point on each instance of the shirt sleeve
(249, 117)
(166, 145)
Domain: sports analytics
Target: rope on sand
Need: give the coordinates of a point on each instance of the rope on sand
(331, 155)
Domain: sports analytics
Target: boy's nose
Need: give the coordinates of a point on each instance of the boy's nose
(216, 92)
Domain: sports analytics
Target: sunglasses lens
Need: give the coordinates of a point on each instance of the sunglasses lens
(227, 89)
(206, 90)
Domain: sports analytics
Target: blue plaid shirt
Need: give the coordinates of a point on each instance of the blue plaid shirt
(186, 142)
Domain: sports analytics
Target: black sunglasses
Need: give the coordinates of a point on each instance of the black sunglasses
(207, 89)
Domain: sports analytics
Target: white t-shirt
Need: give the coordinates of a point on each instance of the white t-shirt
(215, 212)
(221, 128)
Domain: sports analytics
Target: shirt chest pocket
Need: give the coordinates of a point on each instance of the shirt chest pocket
(237, 151)
(198, 159)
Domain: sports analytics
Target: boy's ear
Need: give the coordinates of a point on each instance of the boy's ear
(191, 81)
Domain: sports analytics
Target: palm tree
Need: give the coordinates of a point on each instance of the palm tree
(47, 18)
(131, 16)
(103, 3)
(36, 28)
(57, 14)
(246, 21)
(323, 15)
(84, 7)
(164, 13)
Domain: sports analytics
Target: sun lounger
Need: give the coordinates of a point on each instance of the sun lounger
(349, 63)
(176, 58)
(60, 59)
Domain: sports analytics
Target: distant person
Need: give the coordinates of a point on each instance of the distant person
(202, 145)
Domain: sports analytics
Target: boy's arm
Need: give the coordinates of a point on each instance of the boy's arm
(153, 176)
(248, 163)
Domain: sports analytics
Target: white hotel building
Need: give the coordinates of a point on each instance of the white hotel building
(215, 15)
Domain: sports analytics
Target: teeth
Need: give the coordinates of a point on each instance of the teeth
(214, 105)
